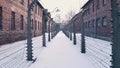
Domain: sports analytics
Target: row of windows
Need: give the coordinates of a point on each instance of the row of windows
(98, 23)
(35, 7)
(12, 24)
(35, 25)
(13, 27)
(13, 21)
(95, 6)
(37, 10)
(103, 3)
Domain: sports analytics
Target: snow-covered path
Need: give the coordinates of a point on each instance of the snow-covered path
(61, 53)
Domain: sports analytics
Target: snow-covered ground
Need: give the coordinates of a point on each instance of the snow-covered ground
(59, 53)
(13, 55)
(98, 51)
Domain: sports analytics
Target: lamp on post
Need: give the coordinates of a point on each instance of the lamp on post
(49, 29)
(70, 32)
(74, 34)
(52, 28)
(83, 49)
(44, 20)
(116, 35)
(52, 24)
(29, 34)
(55, 10)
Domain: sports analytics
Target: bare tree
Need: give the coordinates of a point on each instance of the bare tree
(70, 14)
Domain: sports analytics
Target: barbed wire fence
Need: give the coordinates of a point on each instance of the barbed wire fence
(98, 52)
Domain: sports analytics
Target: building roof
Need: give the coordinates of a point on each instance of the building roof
(86, 3)
(76, 16)
(38, 2)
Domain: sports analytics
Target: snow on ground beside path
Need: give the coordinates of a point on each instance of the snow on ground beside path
(61, 53)
(13, 55)
(98, 51)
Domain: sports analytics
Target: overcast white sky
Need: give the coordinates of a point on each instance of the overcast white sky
(64, 5)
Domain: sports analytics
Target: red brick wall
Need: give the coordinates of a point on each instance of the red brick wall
(78, 25)
(6, 34)
(99, 13)
(76, 20)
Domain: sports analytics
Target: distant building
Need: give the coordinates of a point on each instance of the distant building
(76, 19)
(97, 19)
(13, 20)
(78, 23)
(97, 16)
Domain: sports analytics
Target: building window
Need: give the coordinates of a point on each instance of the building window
(85, 24)
(104, 21)
(88, 24)
(98, 22)
(88, 11)
(93, 23)
(104, 2)
(98, 4)
(12, 20)
(35, 8)
(28, 2)
(32, 8)
(22, 1)
(32, 24)
(93, 7)
(21, 22)
(38, 25)
(35, 25)
(40, 13)
(85, 12)
(38, 10)
(0, 18)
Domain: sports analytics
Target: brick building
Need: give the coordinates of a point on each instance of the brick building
(13, 20)
(78, 22)
(97, 18)
(75, 20)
